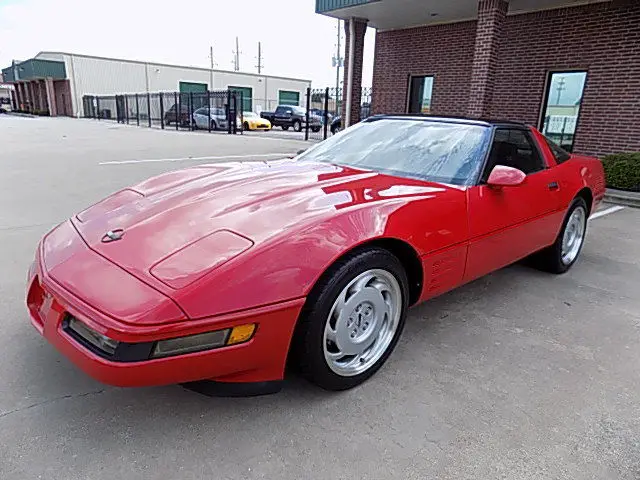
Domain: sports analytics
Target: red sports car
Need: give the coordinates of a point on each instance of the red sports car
(228, 272)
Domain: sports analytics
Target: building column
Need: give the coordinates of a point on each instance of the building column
(491, 20)
(16, 97)
(51, 97)
(352, 86)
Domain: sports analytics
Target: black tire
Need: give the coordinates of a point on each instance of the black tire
(285, 127)
(246, 126)
(308, 347)
(315, 129)
(297, 126)
(214, 126)
(550, 259)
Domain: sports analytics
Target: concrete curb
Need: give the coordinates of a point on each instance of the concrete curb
(620, 197)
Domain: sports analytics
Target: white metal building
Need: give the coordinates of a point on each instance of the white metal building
(90, 75)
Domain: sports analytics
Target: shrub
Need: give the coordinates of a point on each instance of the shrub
(623, 171)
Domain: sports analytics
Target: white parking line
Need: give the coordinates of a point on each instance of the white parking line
(195, 159)
(607, 211)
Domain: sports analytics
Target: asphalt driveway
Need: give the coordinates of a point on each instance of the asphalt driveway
(518, 375)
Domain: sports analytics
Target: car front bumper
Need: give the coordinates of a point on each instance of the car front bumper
(261, 360)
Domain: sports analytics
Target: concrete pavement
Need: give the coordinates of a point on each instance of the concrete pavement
(519, 375)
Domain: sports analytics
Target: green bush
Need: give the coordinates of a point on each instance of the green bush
(623, 171)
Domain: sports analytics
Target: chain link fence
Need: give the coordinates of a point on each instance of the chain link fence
(315, 114)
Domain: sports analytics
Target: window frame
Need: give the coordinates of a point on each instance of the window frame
(409, 91)
(484, 173)
(547, 93)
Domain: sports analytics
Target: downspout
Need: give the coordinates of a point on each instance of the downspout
(352, 47)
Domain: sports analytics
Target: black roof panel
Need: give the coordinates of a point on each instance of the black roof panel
(454, 119)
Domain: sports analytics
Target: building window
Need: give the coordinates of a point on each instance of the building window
(561, 109)
(247, 97)
(286, 97)
(420, 91)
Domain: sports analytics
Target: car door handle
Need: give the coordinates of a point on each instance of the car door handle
(553, 186)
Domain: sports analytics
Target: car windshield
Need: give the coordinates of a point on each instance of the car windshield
(428, 150)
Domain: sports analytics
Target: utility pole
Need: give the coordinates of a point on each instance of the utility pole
(560, 88)
(211, 72)
(259, 66)
(236, 56)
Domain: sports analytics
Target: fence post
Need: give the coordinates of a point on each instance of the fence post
(190, 110)
(137, 110)
(126, 108)
(241, 114)
(564, 126)
(228, 111)
(209, 110)
(175, 106)
(149, 108)
(326, 113)
(306, 127)
(161, 110)
(98, 108)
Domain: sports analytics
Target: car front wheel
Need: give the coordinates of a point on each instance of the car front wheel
(352, 320)
(563, 254)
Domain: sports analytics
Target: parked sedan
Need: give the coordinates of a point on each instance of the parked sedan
(213, 117)
(230, 271)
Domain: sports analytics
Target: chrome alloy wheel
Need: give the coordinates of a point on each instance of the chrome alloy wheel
(362, 323)
(574, 235)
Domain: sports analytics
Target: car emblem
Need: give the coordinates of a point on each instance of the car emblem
(113, 235)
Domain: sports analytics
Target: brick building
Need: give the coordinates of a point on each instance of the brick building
(569, 67)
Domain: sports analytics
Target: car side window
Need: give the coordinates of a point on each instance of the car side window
(280, 110)
(514, 148)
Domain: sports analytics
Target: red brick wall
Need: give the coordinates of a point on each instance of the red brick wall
(444, 51)
(360, 31)
(491, 19)
(603, 39)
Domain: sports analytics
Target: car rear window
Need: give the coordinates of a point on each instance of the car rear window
(559, 153)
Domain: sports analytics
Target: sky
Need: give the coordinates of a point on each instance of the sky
(296, 42)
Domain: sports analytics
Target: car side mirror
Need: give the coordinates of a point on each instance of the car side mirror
(503, 176)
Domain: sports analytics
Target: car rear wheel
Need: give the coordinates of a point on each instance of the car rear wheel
(213, 125)
(352, 320)
(246, 126)
(297, 126)
(315, 129)
(563, 254)
(285, 127)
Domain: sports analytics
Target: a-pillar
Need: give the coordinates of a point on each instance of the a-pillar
(491, 20)
(352, 86)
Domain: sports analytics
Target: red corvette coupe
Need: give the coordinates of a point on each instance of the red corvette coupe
(224, 272)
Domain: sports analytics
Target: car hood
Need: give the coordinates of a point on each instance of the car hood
(173, 229)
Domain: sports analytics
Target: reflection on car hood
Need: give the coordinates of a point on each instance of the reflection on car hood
(256, 201)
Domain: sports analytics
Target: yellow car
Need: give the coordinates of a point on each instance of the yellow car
(253, 121)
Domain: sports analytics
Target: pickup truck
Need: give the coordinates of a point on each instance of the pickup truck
(289, 116)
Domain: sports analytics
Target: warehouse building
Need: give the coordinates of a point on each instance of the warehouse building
(55, 83)
(568, 67)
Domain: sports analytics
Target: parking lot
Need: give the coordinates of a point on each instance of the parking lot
(518, 375)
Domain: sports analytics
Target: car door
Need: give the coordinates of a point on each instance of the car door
(509, 223)
(200, 117)
(283, 115)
